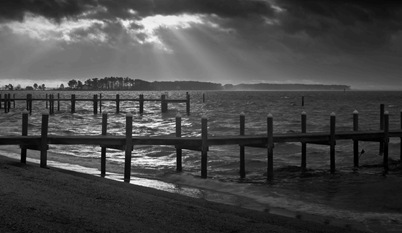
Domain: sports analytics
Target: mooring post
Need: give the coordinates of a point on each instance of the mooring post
(29, 98)
(302, 101)
(24, 133)
(47, 106)
(129, 147)
(9, 102)
(51, 104)
(204, 147)
(164, 105)
(332, 142)
(179, 167)
(382, 109)
(103, 148)
(242, 147)
(386, 140)
(117, 103)
(95, 104)
(43, 141)
(304, 144)
(58, 102)
(355, 142)
(100, 102)
(188, 103)
(6, 103)
(400, 144)
(73, 103)
(270, 147)
(141, 103)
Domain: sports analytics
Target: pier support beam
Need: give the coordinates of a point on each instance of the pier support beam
(356, 153)
(242, 147)
(43, 141)
(141, 105)
(270, 147)
(129, 147)
(303, 144)
(24, 133)
(204, 147)
(332, 142)
(179, 167)
(386, 141)
(117, 103)
(73, 103)
(103, 148)
(188, 103)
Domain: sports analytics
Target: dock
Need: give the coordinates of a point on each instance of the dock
(204, 142)
(53, 102)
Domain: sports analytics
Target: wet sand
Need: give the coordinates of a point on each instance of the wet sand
(34, 199)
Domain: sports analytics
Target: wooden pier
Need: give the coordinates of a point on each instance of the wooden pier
(51, 100)
(202, 144)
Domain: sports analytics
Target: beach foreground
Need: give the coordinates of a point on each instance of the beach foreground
(34, 199)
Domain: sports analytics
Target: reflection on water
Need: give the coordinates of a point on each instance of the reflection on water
(364, 195)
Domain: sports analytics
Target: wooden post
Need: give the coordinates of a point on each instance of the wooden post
(46, 98)
(43, 141)
(95, 104)
(5, 103)
(302, 101)
(304, 144)
(9, 102)
(332, 142)
(73, 103)
(100, 102)
(356, 142)
(58, 102)
(242, 147)
(270, 147)
(204, 147)
(188, 103)
(141, 104)
(164, 105)
(103, 149)
(179, 167)
(386, 141)
(117, 103)
(382, 109)
(129, 147)
(24, 133)
(29, 103)
(51, 103)
(400, 144)
(13, 100)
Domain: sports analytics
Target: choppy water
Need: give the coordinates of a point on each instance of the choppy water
(364, 195)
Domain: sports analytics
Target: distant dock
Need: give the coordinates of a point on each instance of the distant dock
(53, 102)
(202, 144)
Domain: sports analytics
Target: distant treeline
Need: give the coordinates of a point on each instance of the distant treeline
(120, 83)
(268, 86)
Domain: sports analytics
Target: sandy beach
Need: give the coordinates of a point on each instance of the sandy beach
(34, 199)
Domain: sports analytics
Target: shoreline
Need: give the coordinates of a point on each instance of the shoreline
(31, 190)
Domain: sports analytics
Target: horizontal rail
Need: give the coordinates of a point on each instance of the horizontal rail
(197, 141)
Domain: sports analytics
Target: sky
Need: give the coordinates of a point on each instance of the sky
(347, 42)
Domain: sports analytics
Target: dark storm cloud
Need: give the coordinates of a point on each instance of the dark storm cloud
(52, 9)
(58, 9)
(348, 24)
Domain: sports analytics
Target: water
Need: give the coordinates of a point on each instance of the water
(364, 196)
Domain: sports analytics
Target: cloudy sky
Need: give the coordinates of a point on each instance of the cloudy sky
(351, 42)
